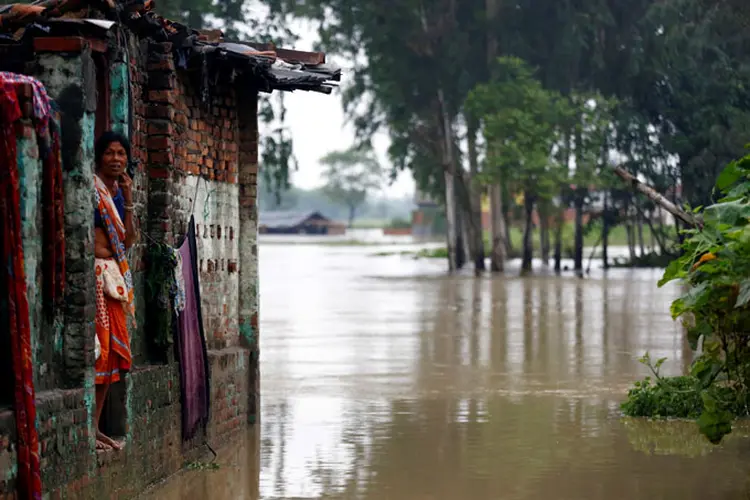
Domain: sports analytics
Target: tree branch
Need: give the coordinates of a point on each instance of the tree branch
(689, 219)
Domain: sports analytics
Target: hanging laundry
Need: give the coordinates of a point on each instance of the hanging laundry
(161, 263)
(12, 275)
(179, 284)
(191, 344)
(48, 137)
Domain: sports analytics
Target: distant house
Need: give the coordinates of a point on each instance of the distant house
(298, 223)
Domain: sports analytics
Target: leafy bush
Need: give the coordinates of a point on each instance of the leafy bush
(664, 397)
(670, 397)
(399, 223)
(715, 308)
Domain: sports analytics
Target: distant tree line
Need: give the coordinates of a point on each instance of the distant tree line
(538, 99)
(373, 211)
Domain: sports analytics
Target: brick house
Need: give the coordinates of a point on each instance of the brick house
(188, 102)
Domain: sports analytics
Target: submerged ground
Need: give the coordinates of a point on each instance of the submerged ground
(385, 379)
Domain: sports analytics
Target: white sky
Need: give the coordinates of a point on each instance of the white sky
(317, 124)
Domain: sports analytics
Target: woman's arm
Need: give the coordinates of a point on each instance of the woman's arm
(131, 234)
(101, 244)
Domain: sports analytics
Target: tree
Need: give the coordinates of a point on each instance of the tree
(350, 176)
(678, 70)
(521, 124)
(421, 63)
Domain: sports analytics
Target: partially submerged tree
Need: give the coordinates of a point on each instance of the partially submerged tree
(351, 175)
(520, 120)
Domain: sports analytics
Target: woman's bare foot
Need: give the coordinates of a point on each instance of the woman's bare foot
(101, 437)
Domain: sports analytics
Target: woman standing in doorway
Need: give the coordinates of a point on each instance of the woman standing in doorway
(115, 232)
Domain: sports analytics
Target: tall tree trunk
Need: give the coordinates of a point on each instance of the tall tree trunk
(559, 222)
(652, 242)
(661, 232)
(462, 250)
(352, 215)
(578, 202)
(578, 252)
(605, 232)
(498, 227)
(544, 215)
(475, 197)
(630, 232)
(564, 202)
(449, 167)
(528, 246)
(497, 262)
(639, 226)
(507, 220)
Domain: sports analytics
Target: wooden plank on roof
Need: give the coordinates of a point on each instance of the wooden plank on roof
(300, 56)
(263, 47)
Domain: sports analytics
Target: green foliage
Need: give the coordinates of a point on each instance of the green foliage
(521, 123)
(714, 267)
(350, 176)
(662, 397)
(399, 223)
(670, 80)
(669, 397)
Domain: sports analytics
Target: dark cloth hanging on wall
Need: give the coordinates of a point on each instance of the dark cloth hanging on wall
(190, 343)
(13, 278)
(54, 217)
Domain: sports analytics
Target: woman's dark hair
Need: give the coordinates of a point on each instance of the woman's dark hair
(103, 142)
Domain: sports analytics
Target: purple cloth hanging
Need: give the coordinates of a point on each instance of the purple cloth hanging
(191, 344)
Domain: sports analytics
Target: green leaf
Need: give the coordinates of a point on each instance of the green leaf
(714, 422)
(675, 270)
(694, 333)
(694, 298)
(744, 296)
(728, 176)
(705, 370)
(733, 213)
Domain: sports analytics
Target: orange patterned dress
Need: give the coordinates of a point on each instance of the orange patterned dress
(114, 295)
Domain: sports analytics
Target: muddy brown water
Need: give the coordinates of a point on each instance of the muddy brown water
(382, 378)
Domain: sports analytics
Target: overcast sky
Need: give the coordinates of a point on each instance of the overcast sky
(317, 124)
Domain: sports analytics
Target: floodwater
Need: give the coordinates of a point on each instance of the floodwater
(382, 378)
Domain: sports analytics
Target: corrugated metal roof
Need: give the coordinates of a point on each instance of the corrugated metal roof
(271, 68)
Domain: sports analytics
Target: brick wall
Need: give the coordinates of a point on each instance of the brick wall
(195, 151)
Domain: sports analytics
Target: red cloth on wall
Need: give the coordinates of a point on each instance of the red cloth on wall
(29, 482)
(52, 184)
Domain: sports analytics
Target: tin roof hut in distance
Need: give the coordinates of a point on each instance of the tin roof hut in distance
(299, 223)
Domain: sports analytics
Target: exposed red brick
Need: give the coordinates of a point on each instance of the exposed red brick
(160, 112)
(157, 143)
(162, 65)
(164, 96)
(156, 127)
(68, 44)
(161, 157)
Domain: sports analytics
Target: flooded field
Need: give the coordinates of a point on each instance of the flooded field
(385, 379)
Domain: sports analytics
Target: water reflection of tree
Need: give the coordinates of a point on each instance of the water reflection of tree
(451, 441)
(517, 451)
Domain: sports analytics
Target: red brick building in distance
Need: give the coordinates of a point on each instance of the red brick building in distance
(188, 102)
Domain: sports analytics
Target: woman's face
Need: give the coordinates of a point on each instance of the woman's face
(114, 160)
